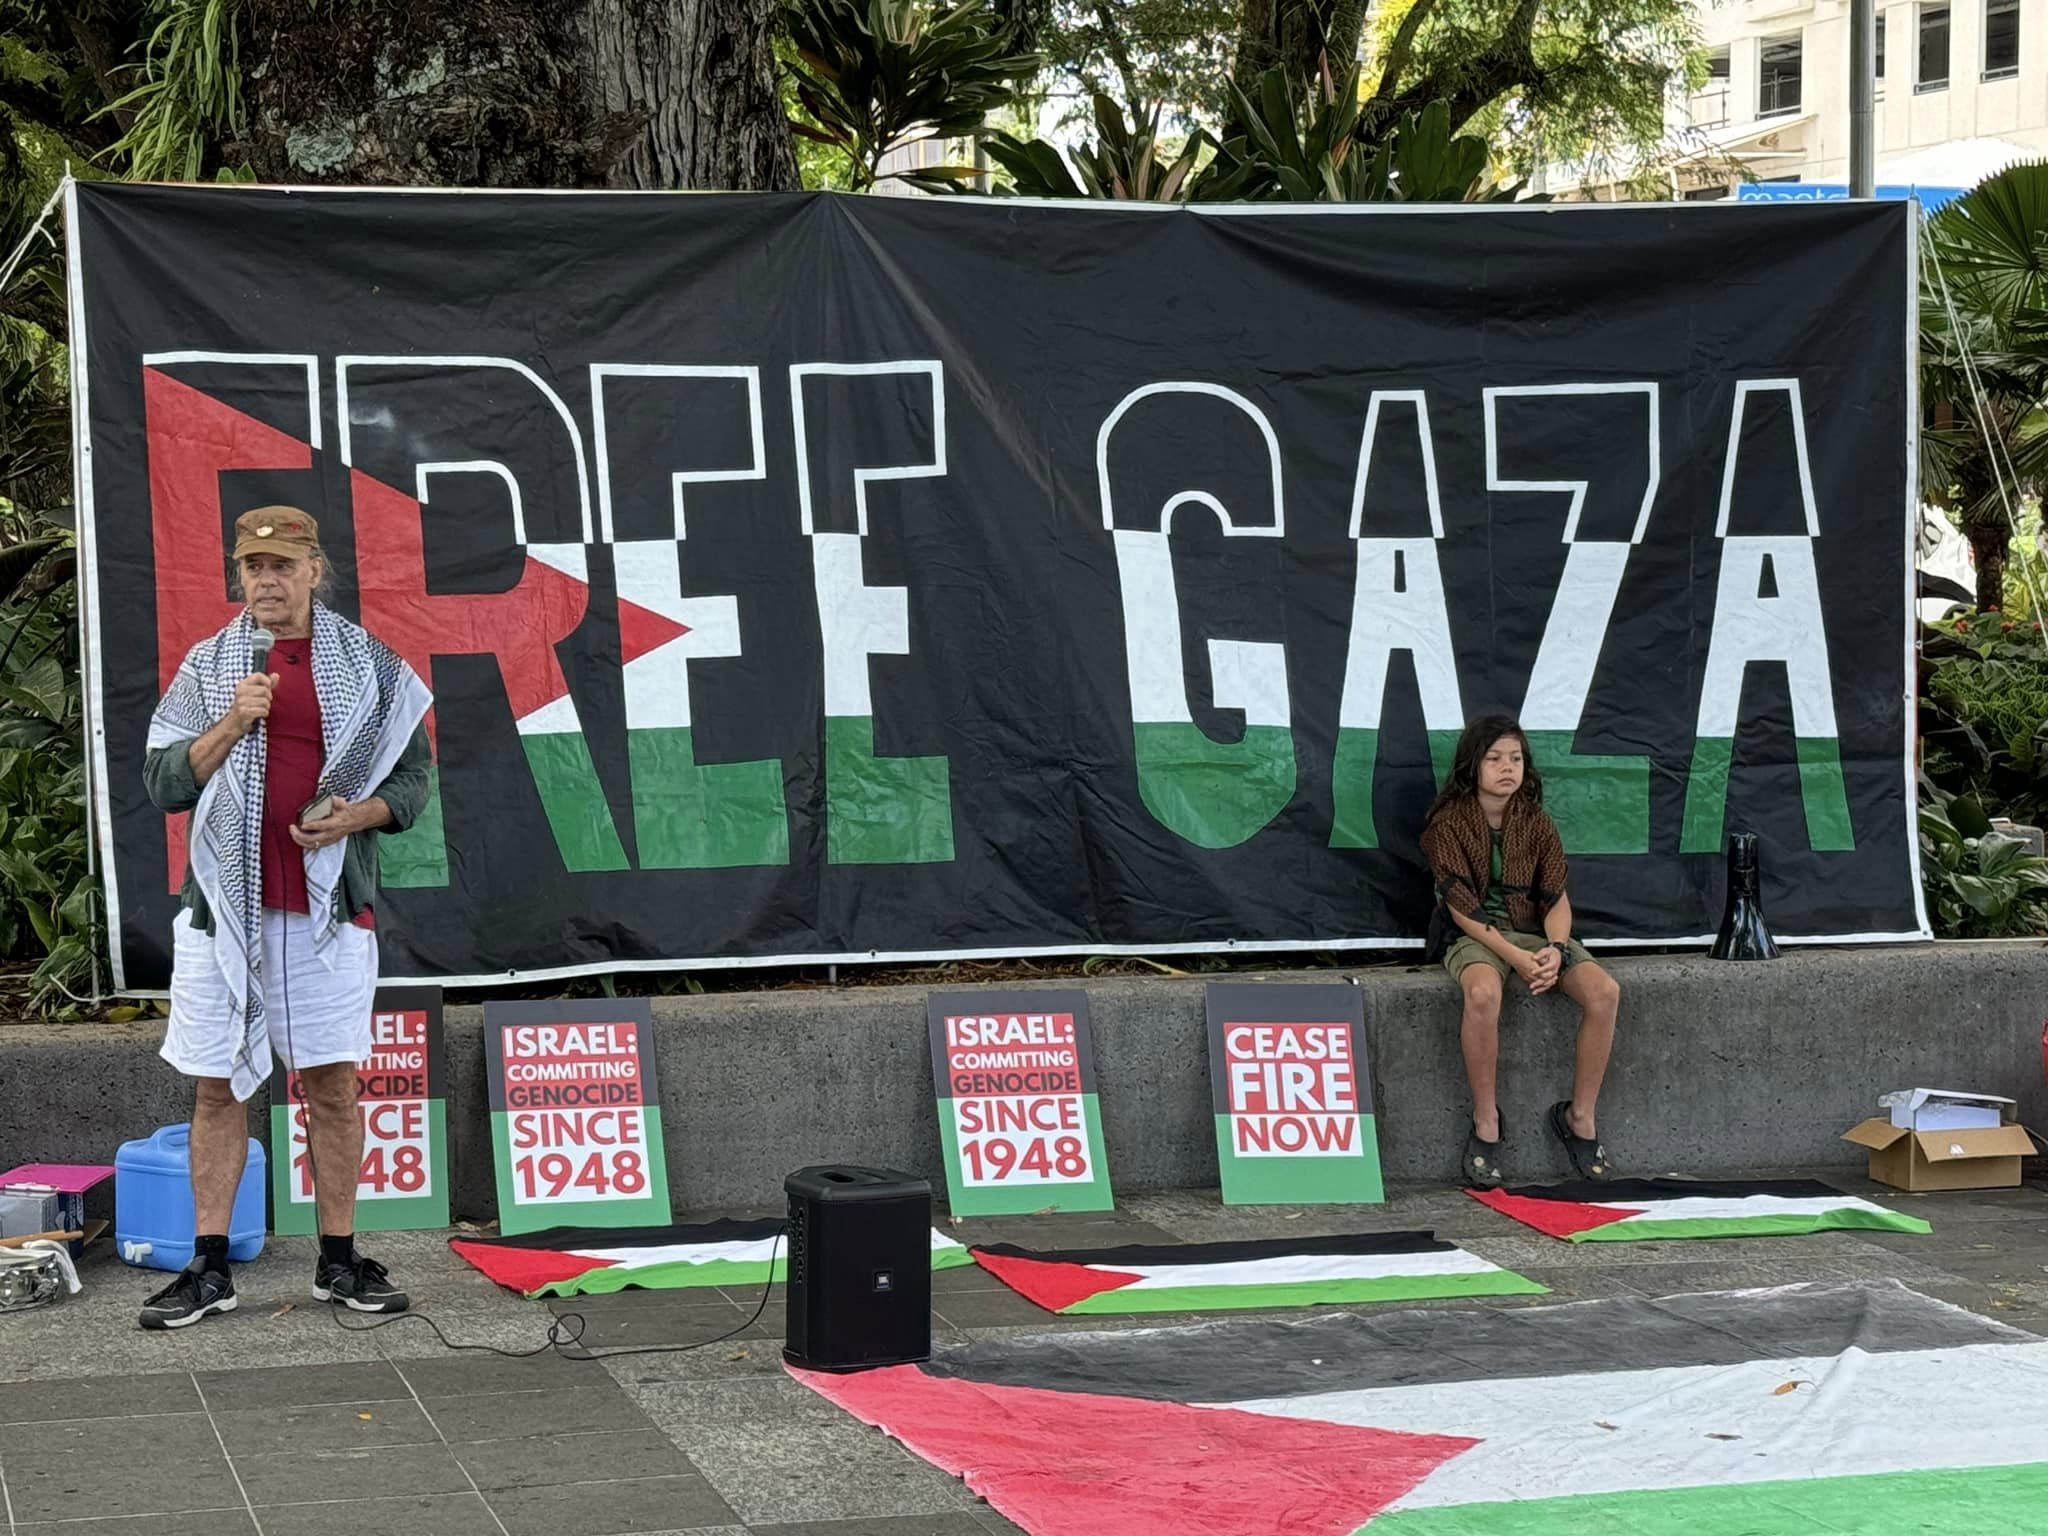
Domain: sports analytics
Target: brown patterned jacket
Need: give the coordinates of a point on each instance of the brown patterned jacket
(1459, 846)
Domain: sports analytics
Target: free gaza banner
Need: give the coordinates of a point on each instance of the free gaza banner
(1293, 1094)
(825, 578)
(575, 1115)
(1018, 1116)
(402, 1097)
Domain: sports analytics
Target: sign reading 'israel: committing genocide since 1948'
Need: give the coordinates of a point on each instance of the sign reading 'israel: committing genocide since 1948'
(575, 1115)
(859, 577)
(1018, 1117)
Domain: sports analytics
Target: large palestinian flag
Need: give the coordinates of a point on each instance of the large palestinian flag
(1278, 1272)
(1851, 1409)
(589, 1261)
(1627, 1210)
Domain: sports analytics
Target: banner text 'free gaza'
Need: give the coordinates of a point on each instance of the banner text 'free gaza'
(887, 809)
(812, 578)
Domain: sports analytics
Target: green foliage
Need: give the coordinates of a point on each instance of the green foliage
(1174, 52)
(1984, 714)
(1980, 883)
(875, 75)
(1292, 146)
(186, 100)
(49, 917)
(1984, 358)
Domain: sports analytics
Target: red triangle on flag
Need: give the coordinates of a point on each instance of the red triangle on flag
(1054, 1285)
(642, 630)
(526, 1270)
(1080, 1464)
(1553, 1218)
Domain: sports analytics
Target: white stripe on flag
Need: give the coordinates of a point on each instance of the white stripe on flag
(1609, 1432)
(1694, 1208)
(746, 1251)
(1295, 1268)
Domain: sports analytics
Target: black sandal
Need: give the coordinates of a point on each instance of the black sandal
(1588, 1157)
(1482, 1166)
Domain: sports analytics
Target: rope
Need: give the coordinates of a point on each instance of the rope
(2002, 472)
(14, 257)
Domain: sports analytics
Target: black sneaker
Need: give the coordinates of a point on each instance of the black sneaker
(196, 1292)
(361, 1285)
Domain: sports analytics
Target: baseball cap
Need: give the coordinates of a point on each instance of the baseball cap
(277, 531)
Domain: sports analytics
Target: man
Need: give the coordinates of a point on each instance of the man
(289, 772)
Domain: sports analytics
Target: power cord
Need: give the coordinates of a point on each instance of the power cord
(558, 1337)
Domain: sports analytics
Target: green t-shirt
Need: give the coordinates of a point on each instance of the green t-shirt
(1495, 906)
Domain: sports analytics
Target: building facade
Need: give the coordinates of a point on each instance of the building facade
(1962, 91)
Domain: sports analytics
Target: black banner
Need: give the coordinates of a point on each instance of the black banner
(815, 577)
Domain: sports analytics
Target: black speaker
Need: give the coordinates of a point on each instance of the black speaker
(860, 1268)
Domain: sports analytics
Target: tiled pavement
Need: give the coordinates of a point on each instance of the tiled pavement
(276, 1422)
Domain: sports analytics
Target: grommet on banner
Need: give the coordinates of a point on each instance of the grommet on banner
(1744, 934)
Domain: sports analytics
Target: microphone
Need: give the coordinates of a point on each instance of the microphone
(261, 643)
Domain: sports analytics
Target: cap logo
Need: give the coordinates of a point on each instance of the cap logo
(264, 532)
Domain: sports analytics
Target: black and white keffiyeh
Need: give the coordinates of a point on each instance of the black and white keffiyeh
(370, 703)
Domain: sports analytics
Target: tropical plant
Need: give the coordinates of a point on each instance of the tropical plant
(1293, 146)
(877, 75)
(1980, 883)
(48, 916)
(1984, 362)
(1984, 713)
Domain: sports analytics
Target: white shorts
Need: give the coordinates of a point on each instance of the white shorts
(316, 1015)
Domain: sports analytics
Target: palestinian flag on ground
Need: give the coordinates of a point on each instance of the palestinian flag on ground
(589, 1261)
(1277, 1272)
(1624, 1210)
(1855, 1409)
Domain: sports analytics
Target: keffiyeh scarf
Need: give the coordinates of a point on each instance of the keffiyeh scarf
(370, 703)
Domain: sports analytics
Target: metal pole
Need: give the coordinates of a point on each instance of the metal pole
(1862, 98)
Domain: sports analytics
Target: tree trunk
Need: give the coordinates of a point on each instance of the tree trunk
(509, 93)
(699, 77)
(1989, 543)
(1297, 35)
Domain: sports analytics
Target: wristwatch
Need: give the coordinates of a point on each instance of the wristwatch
(1564, 954)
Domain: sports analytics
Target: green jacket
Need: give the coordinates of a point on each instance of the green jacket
(167, 773)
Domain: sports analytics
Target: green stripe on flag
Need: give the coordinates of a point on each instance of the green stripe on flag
(1968, 1501)
(1600, 804)
(1351, 781)
(1642, 1229)
(692, 815)
(883, 810)
(418, 856)
(1307, 1293)
(1214, 793)
(682, 1274)
(573, 797)
(1827, 801)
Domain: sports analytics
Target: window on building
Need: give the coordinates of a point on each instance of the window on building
(1710, 101)
(1717, 65)
(2001, 38)
(1880, 53)
(1777, 88)
(1933, 72)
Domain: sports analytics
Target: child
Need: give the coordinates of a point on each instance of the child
(1500, 874)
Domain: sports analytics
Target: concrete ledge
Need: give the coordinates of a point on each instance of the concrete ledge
(1717, 1066)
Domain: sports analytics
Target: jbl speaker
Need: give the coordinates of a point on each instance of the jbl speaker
(860, 1268)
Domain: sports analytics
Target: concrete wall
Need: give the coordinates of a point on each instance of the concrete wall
(1717, 1067)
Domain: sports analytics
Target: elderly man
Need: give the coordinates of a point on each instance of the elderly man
(290, 771)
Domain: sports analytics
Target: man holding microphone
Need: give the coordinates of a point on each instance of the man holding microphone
(294, 737)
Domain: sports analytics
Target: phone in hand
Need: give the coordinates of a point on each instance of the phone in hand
(319, 810)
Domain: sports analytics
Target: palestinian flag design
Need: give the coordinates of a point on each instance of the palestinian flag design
(1279, 1272)
(1628, 1210)
(1857, 1409)
(593, 1261)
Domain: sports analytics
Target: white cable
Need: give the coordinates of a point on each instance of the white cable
(15, 256)
(2001, 459)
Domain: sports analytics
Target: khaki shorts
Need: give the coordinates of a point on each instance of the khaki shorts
(1469, 951)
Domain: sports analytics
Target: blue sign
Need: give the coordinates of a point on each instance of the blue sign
(1931, 198)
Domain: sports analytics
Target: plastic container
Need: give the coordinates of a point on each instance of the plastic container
(153, 1201)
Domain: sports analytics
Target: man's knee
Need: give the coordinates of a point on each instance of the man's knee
(214, 1096)
(1482, 991)
(332, 1088)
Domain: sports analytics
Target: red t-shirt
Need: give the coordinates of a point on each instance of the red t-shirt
(291, 776)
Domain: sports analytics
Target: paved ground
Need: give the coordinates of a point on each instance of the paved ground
(275, 1421)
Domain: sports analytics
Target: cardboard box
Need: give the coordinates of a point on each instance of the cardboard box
(1987, 1157)
(1944, 1109)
